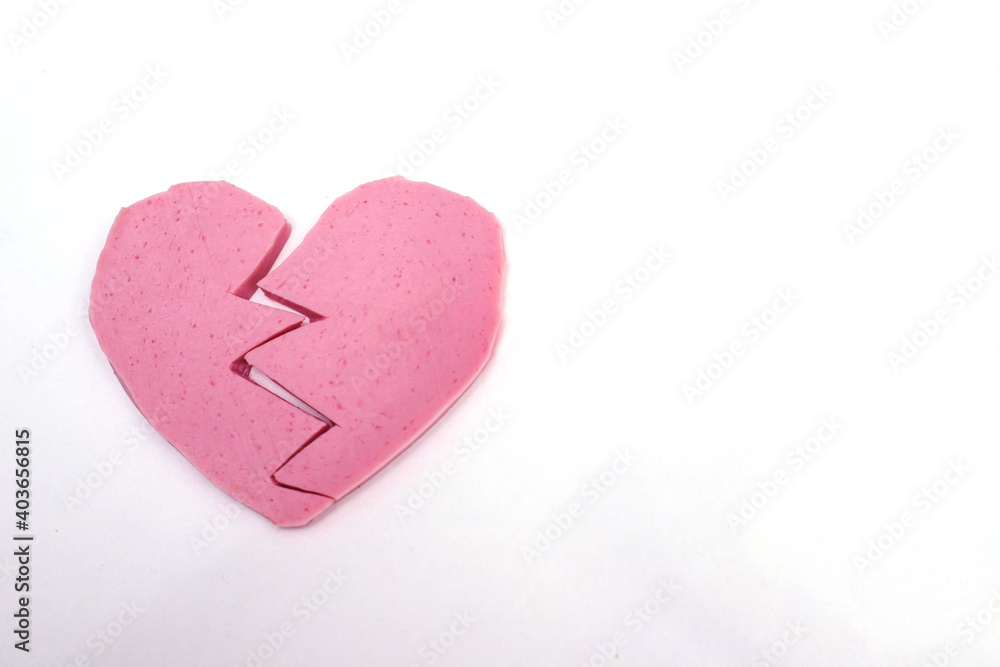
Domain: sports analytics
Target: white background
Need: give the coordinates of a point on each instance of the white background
(141, 535)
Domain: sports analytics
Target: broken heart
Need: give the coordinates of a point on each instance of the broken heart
(397, 295)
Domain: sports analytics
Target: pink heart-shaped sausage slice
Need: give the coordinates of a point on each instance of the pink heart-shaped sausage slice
(402, 284)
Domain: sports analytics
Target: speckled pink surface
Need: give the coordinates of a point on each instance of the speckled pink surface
(402, 284)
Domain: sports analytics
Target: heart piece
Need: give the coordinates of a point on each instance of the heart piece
(399, 286)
